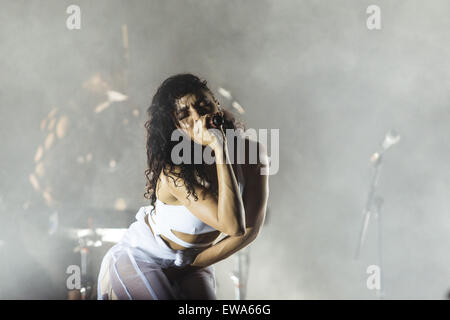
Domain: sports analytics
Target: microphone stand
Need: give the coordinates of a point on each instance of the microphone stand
(240, 273)
(373, 206)
(239, 276)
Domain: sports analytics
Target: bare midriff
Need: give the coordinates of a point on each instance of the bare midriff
(207, 237)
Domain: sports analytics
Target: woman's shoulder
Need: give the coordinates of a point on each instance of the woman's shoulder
(167, 180)
(255, 153)
(253, 161)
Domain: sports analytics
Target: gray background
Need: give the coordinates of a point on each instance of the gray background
(309, 68)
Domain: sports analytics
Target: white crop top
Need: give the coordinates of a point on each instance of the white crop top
(166, 218)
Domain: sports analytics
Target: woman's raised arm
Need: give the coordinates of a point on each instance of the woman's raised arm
(225, 213)
(255, 202)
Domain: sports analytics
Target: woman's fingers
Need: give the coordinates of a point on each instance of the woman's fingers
(184, 127)
(198, 130)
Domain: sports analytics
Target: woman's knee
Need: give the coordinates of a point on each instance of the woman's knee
(200, 285)
(134, 279)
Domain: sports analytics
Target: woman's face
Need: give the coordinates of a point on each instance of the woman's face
(189, 109)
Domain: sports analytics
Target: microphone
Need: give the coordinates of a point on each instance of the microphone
(216, 121)
(391, 138)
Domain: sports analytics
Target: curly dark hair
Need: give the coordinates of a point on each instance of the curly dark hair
(160, 125)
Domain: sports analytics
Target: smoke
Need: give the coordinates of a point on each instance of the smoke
(309, 68)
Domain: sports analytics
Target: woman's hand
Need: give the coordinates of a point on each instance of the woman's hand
(202, 131)
(182, 263)
(185, 257)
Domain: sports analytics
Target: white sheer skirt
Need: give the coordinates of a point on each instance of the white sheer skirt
(133, 269)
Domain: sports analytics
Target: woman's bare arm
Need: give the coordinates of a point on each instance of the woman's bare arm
(255, 202)
(225, 213)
